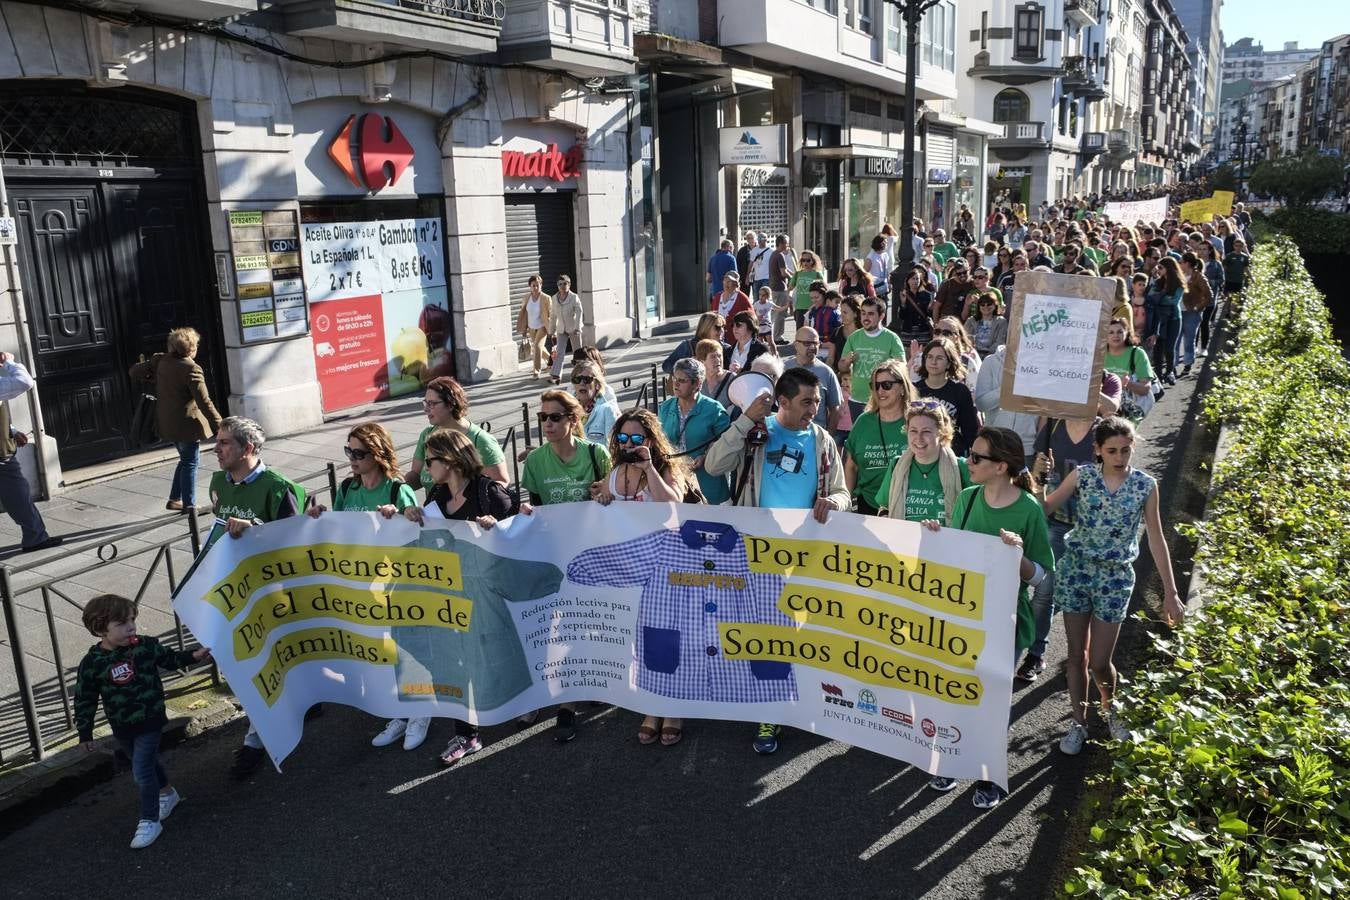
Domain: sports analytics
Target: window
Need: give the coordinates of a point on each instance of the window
(984, 30)
(827, 5)
(1027, 32)
(895, 30)
(937, 37)
(1011, 105)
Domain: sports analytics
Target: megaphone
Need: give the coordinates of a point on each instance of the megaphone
(747, 387)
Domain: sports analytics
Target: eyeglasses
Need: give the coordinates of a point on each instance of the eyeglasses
(583, 379)
(977, 458)
(555, 418)
(624, 439)
(982, 275)
(428, 404)
(885, 385)
(357, 455)
(959, 273)
(809, 343)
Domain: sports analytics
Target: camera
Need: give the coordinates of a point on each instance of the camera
(629, 456)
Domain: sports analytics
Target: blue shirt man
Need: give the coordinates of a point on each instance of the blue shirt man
(722, 262)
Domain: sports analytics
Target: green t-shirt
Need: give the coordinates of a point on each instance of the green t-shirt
(872, 352)
(874, 446)
(801, 282)
(923, 495)
(1119, 364)
(261, 498)
(1025, 517)
(487, 446)
(553, 481)
(944, 252)
(359, 498)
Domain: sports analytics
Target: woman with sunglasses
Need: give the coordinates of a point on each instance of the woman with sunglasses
(710, 326)
(461, 493)
(979, 287)
(878, 434)
(377, 485)
(1001, 504)
(588, 385)
(928, 477)
(987, 329)
(745, 348)
(1120, 267)
(808, 273)
(854, 280)
(563, 470)
(944, 379)
(447, 406)
(691, 421)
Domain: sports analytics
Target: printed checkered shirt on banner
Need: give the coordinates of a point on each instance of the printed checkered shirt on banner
(692, 579)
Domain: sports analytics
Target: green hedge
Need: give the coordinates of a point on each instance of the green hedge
(1237, 781)
(1314, 230)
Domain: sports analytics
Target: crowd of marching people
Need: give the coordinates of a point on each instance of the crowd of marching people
(882, 401)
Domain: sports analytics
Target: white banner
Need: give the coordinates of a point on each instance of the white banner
(751, 145)
(872, 631)
(1132, 211)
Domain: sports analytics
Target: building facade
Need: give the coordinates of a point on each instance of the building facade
(340, 216)
(1200, 18)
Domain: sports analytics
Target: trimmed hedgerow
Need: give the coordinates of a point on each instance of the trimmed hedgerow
(1237, 780)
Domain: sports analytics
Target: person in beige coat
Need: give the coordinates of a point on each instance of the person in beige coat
(536, 315)
(184, 412)
(565, 323)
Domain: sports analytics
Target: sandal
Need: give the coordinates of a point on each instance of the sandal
(647, 734)
(670, 736)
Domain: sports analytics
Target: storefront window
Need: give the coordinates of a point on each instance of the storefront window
(967, 175)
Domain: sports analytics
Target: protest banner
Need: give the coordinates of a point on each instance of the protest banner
(1196, 211)
(1056, 344)
(872, 631)
(1127, 212)
(1221, 203)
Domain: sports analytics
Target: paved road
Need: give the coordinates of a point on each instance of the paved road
(602, 816)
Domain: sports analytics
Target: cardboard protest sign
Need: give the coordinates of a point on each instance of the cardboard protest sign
(1056, 344)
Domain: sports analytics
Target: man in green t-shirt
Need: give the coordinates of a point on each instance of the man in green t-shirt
(245, 493)
(865, 349)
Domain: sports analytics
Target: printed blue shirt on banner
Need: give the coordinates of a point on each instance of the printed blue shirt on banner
(790, 468)
(692, 579)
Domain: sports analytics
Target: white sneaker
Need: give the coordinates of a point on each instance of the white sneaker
(417, 733)
(146, 833)
(168, 803)
(1073, 741)
(1118, 730)
(392, 732)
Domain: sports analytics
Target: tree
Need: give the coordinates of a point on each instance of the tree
(1223, 178)
(1296, 180)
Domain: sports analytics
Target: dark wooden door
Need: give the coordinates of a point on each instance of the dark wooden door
(108, 270)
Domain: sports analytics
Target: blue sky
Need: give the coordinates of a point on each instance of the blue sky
(1310, 22)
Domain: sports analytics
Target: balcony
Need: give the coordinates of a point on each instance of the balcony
(1019, 136)
(1013, 72)
(1080, 78)
(1084, 12)
(196, 10)
(1120, 144)
(457, 27)
(1094, 142)
(584, 37)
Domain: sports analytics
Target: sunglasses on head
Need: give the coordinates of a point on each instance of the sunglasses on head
(552, 417)
(583, 379)
(357, 455)
(925, 404)
(624, 439)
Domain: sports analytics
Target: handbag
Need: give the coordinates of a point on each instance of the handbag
(1137, 406)
(144, 428)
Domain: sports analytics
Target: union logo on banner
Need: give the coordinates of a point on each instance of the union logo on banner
(371, 151)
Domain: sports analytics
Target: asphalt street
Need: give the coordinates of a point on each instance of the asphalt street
(604, 816)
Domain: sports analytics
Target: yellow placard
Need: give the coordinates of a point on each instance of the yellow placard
(254, 291)
(358, 606)
(262, 317)
(245, 217)
(946, 589)
(374, 566)
(905, 629)
(314, 644)
(1195, 211)
(1221, 203)
(851, 657)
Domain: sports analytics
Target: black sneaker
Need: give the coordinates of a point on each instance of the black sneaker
(766, 738)
(988, 795)
(1170, 378)
(1185, 370)
(565, 728)
(246, 759)
(1030, 668)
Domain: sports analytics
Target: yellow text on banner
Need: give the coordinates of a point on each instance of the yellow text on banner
(946, 589)
(359, 606)
(914, 632)
(851, 657)
(377, 566)
(315, 644)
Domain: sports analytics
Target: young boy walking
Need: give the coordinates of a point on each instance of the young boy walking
(122, 670)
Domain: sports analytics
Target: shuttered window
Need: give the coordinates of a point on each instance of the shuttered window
(539, 239)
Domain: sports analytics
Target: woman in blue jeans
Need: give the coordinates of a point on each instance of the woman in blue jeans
(1166, 325)
(184, 412)
(1198, 298)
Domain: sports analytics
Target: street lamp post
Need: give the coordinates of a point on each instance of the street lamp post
(912, 12)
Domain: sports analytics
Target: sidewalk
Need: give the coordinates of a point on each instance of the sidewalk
(88, 514)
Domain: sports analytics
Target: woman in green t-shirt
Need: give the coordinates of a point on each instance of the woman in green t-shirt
(927, 479)
(563, 470)
(377, 485)
(1130, 363)
(878, 435)
(447, 406)
(1001, 504)
(800, 283)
